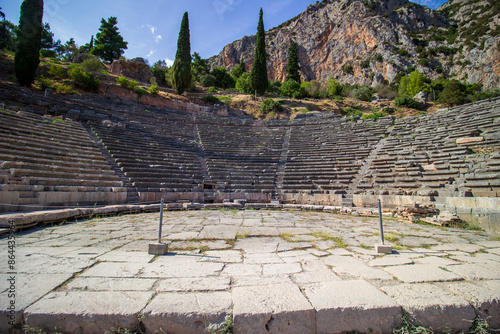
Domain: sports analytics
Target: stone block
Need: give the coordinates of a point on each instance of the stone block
(87, 311)
(383, 249)
(158, 248)
(347, 306)
(279, 308)
(433, 307)
(421, 273)
(189, 313)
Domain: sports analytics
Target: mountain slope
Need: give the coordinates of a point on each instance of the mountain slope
(371, 42)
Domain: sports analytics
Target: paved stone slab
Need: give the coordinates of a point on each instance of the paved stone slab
(433, 307)
(27, 288)
(266, 309)
(188, 269)
(281, 268)
(311, 277)
(261, 258)
(436, 261)
(46, 264)
(259, 280)
(194, 284)
(390, 261)
(258, 245)
(113, 269)
(111, 284)
(242, 269)
(352, 306)
(186, 312)
(475, 271)
(123, 256)
(226, 256)
(218, 232)
(485, 301)
(87, 311)
(415, 273)
(348, 265)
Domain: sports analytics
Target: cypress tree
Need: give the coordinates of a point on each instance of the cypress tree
(258, 77)
(29, 41)
(181, 69)
(293, 67)
(109, 44)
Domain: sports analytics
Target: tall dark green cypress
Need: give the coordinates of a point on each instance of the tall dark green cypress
(258, 76)
(29, 41)
(182, 77)
(293, 67)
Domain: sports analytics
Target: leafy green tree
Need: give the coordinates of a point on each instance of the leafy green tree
(412, 84)
(243, 84)
(199, 66)
(181, 70)
(333, 87)
(291, 88)
(109, 44)
(222, 78)
(259, 79)
(454, 93)
(239, 69)
(160, 70)
(7, 34)
(293, 67)
(29, 41)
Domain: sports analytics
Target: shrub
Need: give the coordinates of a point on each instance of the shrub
(487, 94)
(313, 89)
(387, 93)
(334, 88)
(376, 115)
(362, 93)
(406, 101)
(365, 63)
(211, 90)
(210, 99)
(270, 105)
(222, 78)
(140, 92)
(348, 69)
(378, 57)
(243, 83)
(291, 88)
(92, 64)
(127, 83)
(402, 52)
(208, 80)
(84, 79)
(44, 83)
(454, 93)
(64, 89)
(423, 62)
(153, 89)
(57, 71)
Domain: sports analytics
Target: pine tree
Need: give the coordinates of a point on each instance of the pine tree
(109, 44)
(181, 69)
(259, 80)
(29, 41)
(293, 67)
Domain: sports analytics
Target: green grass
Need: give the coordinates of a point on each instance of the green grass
(225, 98)
(289, 237)
(365, 247)
(226, 327)
(242, 235)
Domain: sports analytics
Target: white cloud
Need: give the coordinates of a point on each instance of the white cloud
(153, 30)
(150, 53)
(169, 62)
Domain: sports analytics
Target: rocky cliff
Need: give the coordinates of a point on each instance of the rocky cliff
(372, 41)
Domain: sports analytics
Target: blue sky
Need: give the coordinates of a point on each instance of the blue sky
(151, 27)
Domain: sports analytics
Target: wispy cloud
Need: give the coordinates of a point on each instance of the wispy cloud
(223, 6)
(153, 30)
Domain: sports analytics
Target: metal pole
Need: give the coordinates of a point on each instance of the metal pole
(380, 222)
(161, 221)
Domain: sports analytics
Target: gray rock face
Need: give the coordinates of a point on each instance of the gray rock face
(374, 38)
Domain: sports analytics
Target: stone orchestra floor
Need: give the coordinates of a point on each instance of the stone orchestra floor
(271, 271)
